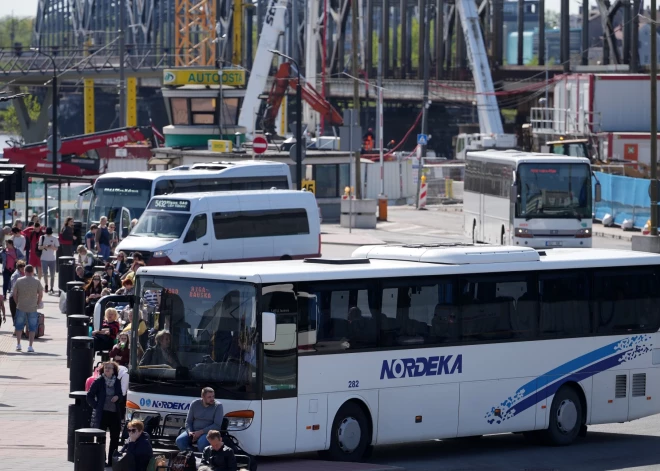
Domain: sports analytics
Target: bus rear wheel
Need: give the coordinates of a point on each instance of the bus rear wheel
(565, 418)
(350, 435)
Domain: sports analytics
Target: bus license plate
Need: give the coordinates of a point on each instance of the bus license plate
(553, 244)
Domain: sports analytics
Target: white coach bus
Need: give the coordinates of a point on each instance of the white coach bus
(407, 343)
(528, 199)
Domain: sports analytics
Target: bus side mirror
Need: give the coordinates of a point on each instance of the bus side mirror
(513, 193)
(598, 192)
(268, 324)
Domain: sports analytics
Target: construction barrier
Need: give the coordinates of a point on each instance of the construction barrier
(623, 198)
(423, 193)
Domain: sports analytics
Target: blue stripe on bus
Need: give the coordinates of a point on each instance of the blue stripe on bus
(567, 368)
(578, 376)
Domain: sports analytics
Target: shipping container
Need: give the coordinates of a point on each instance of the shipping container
(628, 146)
(602, 103)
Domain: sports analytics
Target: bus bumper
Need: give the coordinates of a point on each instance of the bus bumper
(552, 242)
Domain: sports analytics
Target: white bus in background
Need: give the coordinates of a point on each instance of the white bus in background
(402, 344)
(528, 199)
(227, 227)
(123, 196)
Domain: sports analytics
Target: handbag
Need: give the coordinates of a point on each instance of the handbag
(123, 461)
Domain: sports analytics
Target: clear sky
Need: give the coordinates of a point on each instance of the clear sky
(29, 7)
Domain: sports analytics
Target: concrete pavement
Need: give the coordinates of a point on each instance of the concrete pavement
(34, 400)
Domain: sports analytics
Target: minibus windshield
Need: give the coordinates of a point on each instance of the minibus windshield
(161, 224)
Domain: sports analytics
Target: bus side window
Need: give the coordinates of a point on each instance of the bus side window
(564, 301)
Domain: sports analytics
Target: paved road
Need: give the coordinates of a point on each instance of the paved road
(632, 445)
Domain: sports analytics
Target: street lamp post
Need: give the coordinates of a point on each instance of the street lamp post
(299, 139)
(56, 101)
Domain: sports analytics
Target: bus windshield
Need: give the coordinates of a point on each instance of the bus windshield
(161, 224)
(111, 194)
(554, 190)
(205, 334)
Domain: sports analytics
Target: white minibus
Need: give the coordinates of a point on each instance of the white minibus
(226, 227)
(406, 343)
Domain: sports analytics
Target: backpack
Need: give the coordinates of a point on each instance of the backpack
(37, 250)
(183, 461)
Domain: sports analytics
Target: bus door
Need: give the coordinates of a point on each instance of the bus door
(280, 372)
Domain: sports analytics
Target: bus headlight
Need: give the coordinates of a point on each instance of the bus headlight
(583, 234)
(161, 253)
(239, 420)
(523, 233)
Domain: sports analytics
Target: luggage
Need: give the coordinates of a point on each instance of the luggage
(41, 327)
(183, 461)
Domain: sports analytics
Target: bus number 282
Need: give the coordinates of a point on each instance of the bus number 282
(353, 384)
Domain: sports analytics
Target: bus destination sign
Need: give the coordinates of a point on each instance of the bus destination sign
(170, 205)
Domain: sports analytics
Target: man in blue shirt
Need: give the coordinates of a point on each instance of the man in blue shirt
(90, 238)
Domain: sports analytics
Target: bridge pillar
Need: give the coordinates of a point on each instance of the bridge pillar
(497, 28)
(368, 60)
(461, 57)
(439, 38)
(88, 105)
(422, 41)
(385, 32)
(396, 18)
(541, 54)
(404, 39)
(33, 131)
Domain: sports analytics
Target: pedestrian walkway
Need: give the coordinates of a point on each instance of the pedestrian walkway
(34, 401)
(613, 232)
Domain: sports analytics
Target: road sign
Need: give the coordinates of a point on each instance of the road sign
(422, 139)
(309, 185)
(259, 145)
(49, 143)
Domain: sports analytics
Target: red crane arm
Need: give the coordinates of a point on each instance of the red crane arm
(282, 82)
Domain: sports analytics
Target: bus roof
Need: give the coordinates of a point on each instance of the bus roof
(400, 261)
(232, 194)
(153, 175)
(517, 157)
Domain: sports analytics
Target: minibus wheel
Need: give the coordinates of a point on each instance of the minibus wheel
(565, 417)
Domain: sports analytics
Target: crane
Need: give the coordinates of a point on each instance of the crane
(272, 28)
(490, 121)
(283, 80)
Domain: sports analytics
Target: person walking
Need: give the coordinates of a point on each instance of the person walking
(28, 294)
(33, 235)
(10, 256)
(103, 397)
(90, 238)
(102, 239)
(48, 246)
(67, 238)
(204, 415)
(18, 239)
(18, 273)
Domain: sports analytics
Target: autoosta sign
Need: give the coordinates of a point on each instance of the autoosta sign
(176, 77)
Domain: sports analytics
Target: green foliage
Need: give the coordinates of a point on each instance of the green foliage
(9, 120)
(15, 30)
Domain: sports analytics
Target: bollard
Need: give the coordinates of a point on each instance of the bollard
(75, 301)
(82, 362)
(66, 271)
(382, 208)
(80, 415)
(77, 326)
(90, 450)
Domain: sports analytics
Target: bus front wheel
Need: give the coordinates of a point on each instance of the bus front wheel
(565, 418)
(350, 434)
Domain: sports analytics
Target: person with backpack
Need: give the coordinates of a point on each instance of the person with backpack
(48, 245)
(218, 455)
(102, 237)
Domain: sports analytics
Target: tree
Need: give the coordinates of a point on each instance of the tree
(9, 119)
(15, 30)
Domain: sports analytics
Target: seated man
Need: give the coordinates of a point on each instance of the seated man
(204, 415)
(218, 456)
